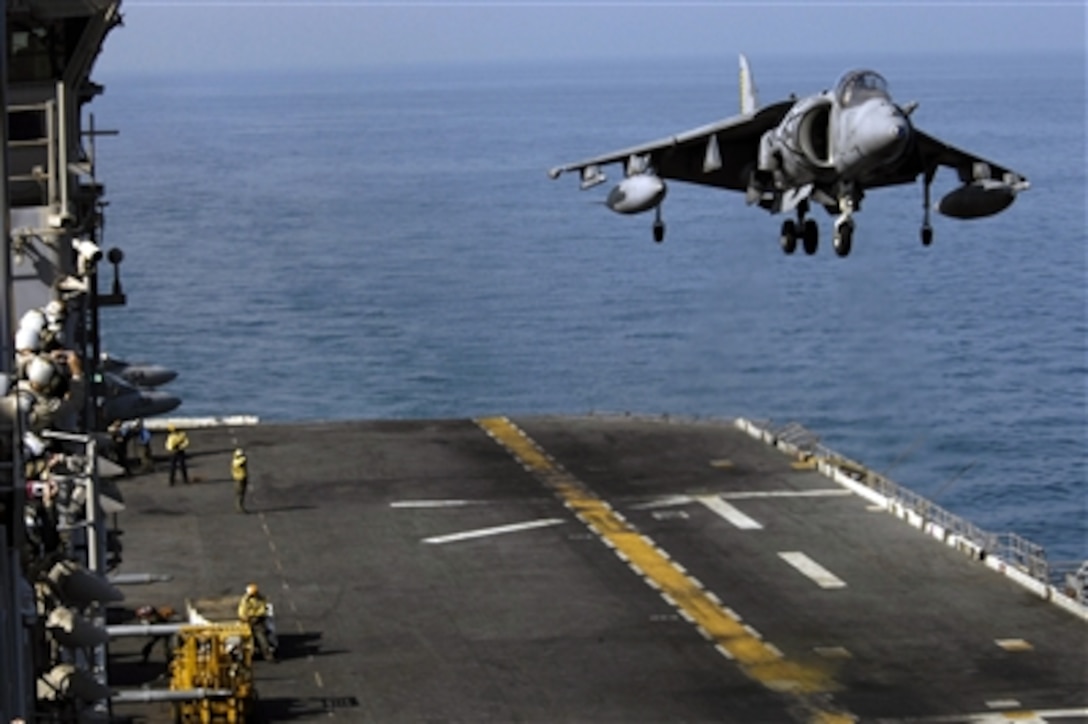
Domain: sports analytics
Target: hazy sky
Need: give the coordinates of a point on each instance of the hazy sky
(245, 34)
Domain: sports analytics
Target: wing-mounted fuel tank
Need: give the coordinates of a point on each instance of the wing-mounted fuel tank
(984, 196)
(799, 148)
(640, 190)
(635, 194)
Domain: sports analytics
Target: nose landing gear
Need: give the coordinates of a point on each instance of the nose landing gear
(844, 225)
(844, 236)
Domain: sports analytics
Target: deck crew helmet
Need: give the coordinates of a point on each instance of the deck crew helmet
(28, 338)
(251, 589)
(55, 311)
(33, 319)
(40, 371)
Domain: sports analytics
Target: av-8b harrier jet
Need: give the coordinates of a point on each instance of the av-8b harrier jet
(825, 149)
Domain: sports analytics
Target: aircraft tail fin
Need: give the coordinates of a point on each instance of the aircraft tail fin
(749, 95)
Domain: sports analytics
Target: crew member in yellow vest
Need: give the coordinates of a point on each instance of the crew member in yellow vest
(240, 472)
(177, 442)
(253, 609)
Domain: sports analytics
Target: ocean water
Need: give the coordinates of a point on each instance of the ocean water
(385, 243)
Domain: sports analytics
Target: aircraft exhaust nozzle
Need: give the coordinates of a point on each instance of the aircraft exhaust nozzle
(147, 375)
(636, 194)
(984, 197)
(139, 375)
(139, 403)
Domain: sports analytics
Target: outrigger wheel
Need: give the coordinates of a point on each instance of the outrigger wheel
(659, 231)
(927, 229)
(927, 235)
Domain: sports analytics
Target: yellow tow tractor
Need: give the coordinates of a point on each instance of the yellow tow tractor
(213, 661)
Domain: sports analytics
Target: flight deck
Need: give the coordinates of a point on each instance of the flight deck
(586, 569)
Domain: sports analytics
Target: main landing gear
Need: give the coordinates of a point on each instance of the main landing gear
(809, 232)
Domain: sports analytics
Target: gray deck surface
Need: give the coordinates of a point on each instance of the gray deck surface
(545, 622)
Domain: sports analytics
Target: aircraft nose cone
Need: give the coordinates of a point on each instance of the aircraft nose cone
(885, 134)
(900, 133)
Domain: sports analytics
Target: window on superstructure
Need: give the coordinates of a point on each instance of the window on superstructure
(32, 54)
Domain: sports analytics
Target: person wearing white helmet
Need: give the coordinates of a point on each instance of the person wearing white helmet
(45, 409)
(28, 343)
(48, 322)
(39, 373)
(55, 313)
(35, 401)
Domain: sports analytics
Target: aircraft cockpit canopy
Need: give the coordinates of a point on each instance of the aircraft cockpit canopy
(860, 85)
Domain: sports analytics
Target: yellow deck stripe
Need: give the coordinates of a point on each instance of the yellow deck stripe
(759, 660)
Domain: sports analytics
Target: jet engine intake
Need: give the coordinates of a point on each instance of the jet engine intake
(813, 135)
(799, 147)
(636, 194)
(984, 197)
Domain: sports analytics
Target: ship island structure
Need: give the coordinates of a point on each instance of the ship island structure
(551, 568)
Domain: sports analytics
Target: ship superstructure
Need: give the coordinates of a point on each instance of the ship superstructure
(55, 545)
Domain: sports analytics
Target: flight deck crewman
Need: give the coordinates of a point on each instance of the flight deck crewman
(240, 472)
(177, 442)
(143, 446)
(253, 609)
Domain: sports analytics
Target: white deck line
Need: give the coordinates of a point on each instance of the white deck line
(430, 503)
(813, 570)
(496, 530)
(729, 512)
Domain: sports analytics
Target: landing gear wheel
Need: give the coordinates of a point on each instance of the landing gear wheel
(811, 237)
(788, 239)
(927, 235)
(844, 237)
(659, 231)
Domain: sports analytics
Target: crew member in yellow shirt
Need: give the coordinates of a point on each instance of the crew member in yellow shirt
(177, 442)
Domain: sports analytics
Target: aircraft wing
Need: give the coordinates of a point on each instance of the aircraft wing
(719, 154)
(941, 153)
(929, 153)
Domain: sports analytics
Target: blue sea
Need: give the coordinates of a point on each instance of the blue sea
(385, 243)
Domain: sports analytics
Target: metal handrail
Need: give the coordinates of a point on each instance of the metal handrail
(1012, 548)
